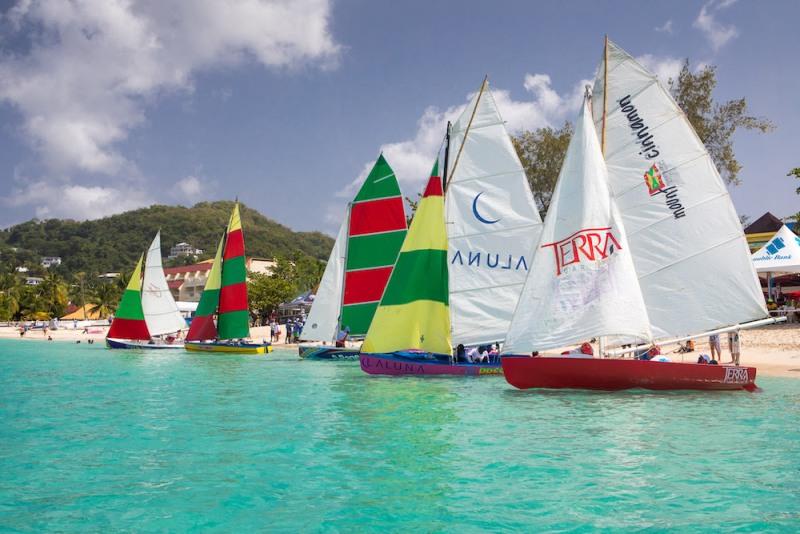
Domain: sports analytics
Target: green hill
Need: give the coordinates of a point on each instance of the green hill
(115, 243)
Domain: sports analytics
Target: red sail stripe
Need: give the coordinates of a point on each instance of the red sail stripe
(233, 298)
(128, 329)
(434, 188)
(234, 244)
(375, 216)
(366, 285)
(202, 327)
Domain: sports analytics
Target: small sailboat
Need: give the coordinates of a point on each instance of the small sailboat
(488, 229)
(410, 334)
(225, 294)
(147, 316)
(359, 267)
(638, 245)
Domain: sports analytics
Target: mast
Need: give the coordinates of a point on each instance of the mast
(446, 158)
(344, 270)
(605, 96)
(466, 131)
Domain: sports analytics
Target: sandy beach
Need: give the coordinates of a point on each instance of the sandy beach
(774, 350)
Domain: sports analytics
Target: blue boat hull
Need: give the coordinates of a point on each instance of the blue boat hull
(327, 353)
(423, 364)
(140, 345)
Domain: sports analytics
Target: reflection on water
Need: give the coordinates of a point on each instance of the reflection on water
(93, 439)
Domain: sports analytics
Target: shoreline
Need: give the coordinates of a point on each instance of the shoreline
(774, 350)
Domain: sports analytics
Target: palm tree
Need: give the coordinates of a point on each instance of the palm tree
(53, 294)
(10, 289)
(104, 301)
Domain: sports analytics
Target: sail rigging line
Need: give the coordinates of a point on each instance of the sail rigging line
(605, 96)
(466, 132)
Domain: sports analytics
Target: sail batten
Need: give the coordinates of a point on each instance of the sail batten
(686, 240)
(493, 224)
(160, 311)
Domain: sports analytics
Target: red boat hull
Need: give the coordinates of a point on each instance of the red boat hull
(524, 372)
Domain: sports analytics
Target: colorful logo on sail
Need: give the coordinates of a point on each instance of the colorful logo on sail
(654, 180)
(590, 244)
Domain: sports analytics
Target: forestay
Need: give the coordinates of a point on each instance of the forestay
(582, 282)
(160, 311)
(323, 319)
(493, 224)
(687, 244)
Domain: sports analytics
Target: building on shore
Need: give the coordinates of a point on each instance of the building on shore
(51, 261)
(186, 282)
(183, 249)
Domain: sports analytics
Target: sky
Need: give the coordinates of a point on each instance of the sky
(110, 105)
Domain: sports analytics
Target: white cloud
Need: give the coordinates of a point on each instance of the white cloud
(94, 66)
(666, 68)
(717, 33)
(76, 201)
(190, 188)
(665, 28)
(412, 159)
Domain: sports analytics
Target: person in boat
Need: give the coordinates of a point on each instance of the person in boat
(461, 354)
(584, 351)
(482, 356)
(714, 345)
(341, 338)
(703, 359)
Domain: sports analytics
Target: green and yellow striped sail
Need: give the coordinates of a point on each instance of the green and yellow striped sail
(414, 311)
(203, 326)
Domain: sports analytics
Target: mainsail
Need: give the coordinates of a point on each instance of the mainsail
(493, 224)
(688, 246)
(129, 320)
(160, 311)
(233, 321)
(582, 281)
(323, 319)
(413, 312)
(376, 229)
(203, 326)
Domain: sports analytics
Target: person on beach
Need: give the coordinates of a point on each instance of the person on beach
(714, 345)
(341, 337)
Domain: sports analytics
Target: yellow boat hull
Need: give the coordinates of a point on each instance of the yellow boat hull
(248, 348)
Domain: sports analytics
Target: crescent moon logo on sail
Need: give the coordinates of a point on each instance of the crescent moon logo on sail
(475, 212)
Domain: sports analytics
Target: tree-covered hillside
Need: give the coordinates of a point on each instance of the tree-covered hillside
(115, 243)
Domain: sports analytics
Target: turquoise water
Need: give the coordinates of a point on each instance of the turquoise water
(95, 440)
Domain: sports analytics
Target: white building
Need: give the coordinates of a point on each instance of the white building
(183, 249)
(51, 261)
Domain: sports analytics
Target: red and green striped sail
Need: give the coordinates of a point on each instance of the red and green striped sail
(414, 311)
(129, 320)
(376, 232)
(233, 321)
(203, 326)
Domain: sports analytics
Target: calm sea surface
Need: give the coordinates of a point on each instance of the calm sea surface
(99, 440)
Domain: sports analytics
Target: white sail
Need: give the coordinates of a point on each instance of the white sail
(688, 247)
(160, 311)
(582, 282)
(781, 254)
(323, 319)
(493, 224)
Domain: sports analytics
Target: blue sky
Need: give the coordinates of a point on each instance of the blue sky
(108, 105)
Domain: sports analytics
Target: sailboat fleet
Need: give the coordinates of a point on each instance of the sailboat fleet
(641, 246)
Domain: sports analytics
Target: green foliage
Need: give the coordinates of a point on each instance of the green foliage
(714, 123)
(265, 293)
(104, 299)
(114, 243)
(542, 152)
(53, 295)
(301, 272)
(796, 173)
